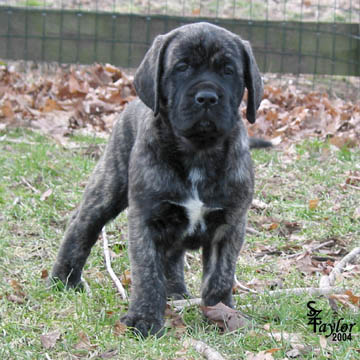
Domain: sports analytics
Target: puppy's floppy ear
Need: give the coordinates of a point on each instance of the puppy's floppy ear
(253, 82)
(148, 75)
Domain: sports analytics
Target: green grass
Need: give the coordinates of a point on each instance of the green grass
(31, 230)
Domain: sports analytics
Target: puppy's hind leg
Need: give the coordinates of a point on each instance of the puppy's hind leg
(104, 198)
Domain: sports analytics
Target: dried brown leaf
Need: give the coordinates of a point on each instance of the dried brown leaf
(16, 286)
(262, 355)
(313, 204)
(225, 317)
(292, 225)
(45, 195)
(258, 204)
(353, 298)
(295, 339)
(51, 105)
(306, 264)
(323, 342)
(109, 354)
(7, 110)
(272, 226)
(44, 274)
(174, 320)
(16, 299)
(126, 278)
(347, 300)
(84, 343)
(48, 340)
(119, 328)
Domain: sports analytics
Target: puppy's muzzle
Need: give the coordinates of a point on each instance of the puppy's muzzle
(204, 127)
(204, 101)
(203, 134)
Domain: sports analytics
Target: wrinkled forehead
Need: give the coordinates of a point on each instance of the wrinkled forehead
(197, 44)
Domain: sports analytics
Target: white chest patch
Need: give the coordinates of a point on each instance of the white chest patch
(195, 208)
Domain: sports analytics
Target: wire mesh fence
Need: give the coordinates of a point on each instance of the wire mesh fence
(312, 42)
(283, 10)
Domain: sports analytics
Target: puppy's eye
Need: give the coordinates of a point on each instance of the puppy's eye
(228, 70)
(181, 67)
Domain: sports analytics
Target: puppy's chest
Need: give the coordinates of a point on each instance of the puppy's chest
(199, 210)
(192, 219)
(195, 210)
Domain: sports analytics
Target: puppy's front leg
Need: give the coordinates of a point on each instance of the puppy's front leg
(174, 272)
(148, 293)
(219, 261)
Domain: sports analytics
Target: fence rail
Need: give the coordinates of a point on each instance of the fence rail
(70, 36)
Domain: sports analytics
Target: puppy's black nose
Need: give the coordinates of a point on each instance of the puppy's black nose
(206, 98)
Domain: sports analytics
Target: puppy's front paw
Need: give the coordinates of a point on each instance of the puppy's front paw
(61, 280)
(143, 325)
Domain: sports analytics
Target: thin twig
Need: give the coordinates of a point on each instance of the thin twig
(16, 141)
(252, 231)
(29, 185)
(242, 287)
(180, 304)
(317, 247)
(87, 287)
(109, 268)
(353, 186)
(186, 263)
(306, 291)
(326, 281)
(204, 349)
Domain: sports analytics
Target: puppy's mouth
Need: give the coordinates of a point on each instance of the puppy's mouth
(203, 135)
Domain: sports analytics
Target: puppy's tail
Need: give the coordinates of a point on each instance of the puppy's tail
(257, 143)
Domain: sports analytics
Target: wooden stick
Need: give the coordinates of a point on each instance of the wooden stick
(109, 268)
(16, 141)
(204, 349)
(353, 186)
(252, 231)
(29, 185)
(307, 291)
(86, 287)
(180, 304)
(242, 287)
(327, 281)
(326, 243)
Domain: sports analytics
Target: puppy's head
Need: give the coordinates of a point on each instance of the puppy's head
(196, 75)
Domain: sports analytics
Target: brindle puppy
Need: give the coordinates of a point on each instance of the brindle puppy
(179, 159)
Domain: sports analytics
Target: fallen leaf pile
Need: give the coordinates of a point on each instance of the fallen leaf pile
(92, 96)
(291, 113)
(70, 99)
